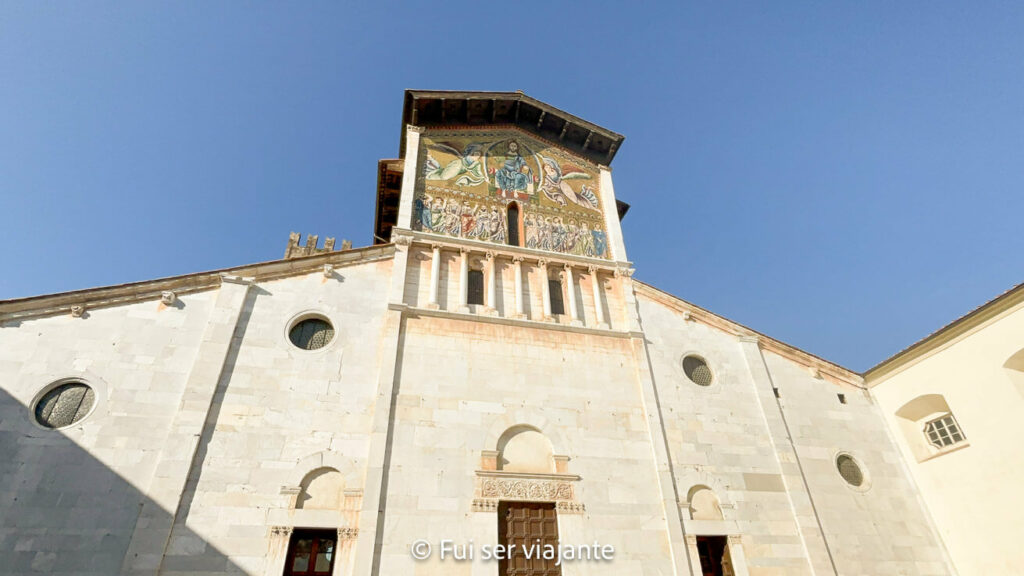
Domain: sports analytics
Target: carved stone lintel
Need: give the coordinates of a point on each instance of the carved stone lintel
(570, 508)
(77, 311)
(526, 489)
(168, 297)
(485, 505)
(281, 531)
(348, 533)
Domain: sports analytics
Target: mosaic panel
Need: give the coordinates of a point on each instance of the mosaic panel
(470, 177)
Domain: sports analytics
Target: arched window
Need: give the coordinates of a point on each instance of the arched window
(475, 290)
(928, 424)
(513, 224)
(704, 504)
(321, 489)
(525, 449)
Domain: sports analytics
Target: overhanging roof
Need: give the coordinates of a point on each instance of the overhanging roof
(436, 108)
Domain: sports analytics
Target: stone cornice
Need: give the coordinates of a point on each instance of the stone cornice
(93, 298)
(510, 252)
(415, 312)
(827, 370)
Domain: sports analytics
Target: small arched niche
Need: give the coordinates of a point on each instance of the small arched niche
(922, 419)
(525, 449)
(704, 504)
(1014, 366)
(321, 489)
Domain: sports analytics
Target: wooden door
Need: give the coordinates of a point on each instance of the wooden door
(528, 525)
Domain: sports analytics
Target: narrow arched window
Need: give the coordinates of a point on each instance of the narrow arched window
(513, 224)
(475, 289)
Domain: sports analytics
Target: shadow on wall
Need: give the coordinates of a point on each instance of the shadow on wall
(62, 511)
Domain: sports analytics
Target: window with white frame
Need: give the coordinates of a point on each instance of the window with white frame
(943, 431)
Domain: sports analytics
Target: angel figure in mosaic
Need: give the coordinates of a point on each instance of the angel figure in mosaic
(466, 168)
(557, 189)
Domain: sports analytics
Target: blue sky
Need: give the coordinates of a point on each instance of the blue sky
(845, 177)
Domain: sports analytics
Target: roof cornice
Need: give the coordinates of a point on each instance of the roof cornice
(102, 297)
(824, 368)
(947, 335)
(439, 108)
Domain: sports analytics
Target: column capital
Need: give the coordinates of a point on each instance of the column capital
(567, 266)
(489, 255)
(463, 250)
(543, 262)
(592, 269)
(412, 128)
(435, 247)
(517, 259)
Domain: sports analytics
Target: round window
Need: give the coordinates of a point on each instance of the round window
(65, 405)
(311, 333)
(697, 370)
(850, 470)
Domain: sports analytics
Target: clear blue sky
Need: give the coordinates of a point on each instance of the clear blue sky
(845, 177)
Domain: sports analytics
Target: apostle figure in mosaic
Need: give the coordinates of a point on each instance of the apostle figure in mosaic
(600, 241)
(532, 239)
(468, 219)
(586, 241)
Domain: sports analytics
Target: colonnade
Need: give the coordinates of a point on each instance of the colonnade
(490, 272)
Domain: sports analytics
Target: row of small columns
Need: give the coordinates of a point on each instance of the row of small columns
(435, 275)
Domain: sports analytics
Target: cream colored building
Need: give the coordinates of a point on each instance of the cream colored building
(489, 372)
(952, 401)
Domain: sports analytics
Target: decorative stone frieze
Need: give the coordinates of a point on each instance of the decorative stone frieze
(526, 489)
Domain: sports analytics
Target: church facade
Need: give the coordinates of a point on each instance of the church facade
(485, 390)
